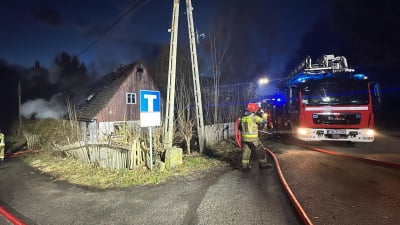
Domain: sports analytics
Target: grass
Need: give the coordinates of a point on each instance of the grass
(77, 173)
(74, 172)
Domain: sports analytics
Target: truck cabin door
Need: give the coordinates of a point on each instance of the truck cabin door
(375, 92)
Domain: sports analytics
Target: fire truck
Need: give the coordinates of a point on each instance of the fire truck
(324, 101)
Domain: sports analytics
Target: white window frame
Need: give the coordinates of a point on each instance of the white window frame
(130, 96)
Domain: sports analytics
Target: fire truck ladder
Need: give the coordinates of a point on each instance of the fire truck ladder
(327, 63)
(169, 117)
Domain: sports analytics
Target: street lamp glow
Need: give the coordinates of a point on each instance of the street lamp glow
(263, 80)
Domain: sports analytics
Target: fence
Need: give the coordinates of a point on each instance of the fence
(32, 141)
(133, 156)
(107, 156)
(217, 132)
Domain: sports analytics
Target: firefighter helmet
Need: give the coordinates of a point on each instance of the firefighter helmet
(252, 107)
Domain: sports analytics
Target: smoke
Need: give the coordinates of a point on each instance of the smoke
(40, 108)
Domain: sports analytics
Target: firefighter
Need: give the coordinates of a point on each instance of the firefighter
(2, 145)
(249, 123)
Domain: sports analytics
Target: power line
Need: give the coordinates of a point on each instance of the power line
(134, 6)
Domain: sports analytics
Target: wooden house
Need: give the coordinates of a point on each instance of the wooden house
(113, 102)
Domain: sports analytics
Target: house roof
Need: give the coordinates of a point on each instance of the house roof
(102, 91)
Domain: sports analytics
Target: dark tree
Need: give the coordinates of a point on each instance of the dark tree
(69, 74)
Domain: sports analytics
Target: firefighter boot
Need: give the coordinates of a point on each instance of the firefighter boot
(246, 165)
(264, 165)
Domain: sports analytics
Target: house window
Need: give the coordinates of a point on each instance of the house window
(130, 98)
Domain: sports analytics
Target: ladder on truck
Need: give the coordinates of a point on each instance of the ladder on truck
(169, 117)
(326, 63)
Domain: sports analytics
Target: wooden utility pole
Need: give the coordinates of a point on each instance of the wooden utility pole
(169, 117)
(196, 77)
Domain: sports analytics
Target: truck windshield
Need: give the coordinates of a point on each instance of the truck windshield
(334, 93)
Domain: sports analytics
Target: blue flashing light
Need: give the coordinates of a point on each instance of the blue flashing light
(304, 77)
(278, 100)
(360, 76)
(274, 99)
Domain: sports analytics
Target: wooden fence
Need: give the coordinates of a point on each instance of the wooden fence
(107, 156)
(217, 132)
(32, 141)
(133, 156)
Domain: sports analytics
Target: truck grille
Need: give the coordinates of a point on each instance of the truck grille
(337, 118)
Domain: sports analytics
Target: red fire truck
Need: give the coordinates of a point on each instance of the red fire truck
(325, 101)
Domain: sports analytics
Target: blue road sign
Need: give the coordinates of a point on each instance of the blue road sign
(149, 101)
(150, 108)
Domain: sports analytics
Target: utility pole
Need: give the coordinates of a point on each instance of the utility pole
(169, 117)
(196, 78)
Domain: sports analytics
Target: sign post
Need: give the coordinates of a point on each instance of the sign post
(150, 114)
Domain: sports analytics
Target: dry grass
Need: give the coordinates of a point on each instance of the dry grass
(74, 172)
(77, 173)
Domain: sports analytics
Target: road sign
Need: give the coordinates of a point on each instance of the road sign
(150, 114)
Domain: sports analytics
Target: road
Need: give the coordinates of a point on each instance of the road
(332, 190)
(335, 190)
(220, 197)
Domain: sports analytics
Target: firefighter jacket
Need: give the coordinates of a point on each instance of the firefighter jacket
(249, 127)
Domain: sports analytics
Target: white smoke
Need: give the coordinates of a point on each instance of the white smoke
(40, 108)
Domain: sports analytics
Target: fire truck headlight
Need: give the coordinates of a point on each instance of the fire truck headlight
(370, 132)
(303, 131)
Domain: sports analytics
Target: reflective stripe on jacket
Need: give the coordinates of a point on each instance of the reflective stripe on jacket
(249, 127)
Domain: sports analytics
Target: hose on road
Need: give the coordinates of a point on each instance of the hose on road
(303, 215)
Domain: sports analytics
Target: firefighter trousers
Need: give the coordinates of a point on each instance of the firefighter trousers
(256, 146)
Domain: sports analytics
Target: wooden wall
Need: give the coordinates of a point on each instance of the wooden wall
(117, 109)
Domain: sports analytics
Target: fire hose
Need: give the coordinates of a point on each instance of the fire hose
(238, 137)
(9, 216)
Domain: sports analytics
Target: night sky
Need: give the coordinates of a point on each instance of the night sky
(270, 36)
(39, 30)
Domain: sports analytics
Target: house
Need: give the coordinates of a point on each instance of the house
(113, 101)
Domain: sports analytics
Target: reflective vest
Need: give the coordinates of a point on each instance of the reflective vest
(249, 127)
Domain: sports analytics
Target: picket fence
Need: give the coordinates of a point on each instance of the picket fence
(106, 156)
(133, 156)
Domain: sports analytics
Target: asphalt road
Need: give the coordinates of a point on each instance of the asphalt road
(338, 190)
(219, 197)
(332, 190)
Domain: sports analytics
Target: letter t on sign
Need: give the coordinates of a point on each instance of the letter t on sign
(150, 100)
